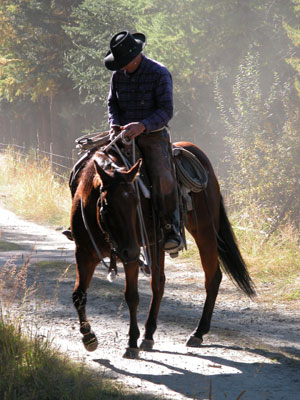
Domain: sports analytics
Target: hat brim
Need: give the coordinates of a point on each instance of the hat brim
(114, 65)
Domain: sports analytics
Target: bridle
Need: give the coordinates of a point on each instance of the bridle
(101, 203)
(102, 206)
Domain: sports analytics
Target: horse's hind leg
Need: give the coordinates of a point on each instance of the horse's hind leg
(85, 266)
(157, 285)
(213, 277)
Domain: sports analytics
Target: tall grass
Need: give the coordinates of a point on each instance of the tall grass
(274, 261)
(31, 368)
(31, 190)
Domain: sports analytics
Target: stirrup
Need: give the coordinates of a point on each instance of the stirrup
(174, 243)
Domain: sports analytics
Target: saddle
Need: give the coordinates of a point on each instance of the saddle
(191, 174)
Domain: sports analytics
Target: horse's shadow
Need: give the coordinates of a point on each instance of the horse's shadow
(248, 380)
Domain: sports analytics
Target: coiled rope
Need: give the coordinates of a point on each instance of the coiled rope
(194, 176)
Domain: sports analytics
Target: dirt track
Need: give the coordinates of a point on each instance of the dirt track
(250, 348)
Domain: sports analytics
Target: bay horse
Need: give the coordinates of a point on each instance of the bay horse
(104, 216)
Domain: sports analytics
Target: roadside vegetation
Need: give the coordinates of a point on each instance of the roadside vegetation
(29, 188)
(31, 368)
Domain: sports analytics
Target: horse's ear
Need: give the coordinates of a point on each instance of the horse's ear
(104, 177)
(134, 170)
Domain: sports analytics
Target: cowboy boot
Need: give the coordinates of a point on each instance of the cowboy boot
(172, 242)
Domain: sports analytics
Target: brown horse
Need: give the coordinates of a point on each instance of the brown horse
(104, 217)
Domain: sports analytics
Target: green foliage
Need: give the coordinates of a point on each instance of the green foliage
(263, 142)
(96, 21)
(34, 43)
(51, 50)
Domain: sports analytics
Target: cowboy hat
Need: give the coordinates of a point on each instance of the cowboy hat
(124, 47)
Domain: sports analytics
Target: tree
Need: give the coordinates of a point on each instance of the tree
(263, 142)
(34, 44)
(294, 35)
(96, 21)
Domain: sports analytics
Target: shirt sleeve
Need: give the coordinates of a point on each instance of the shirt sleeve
(164, 103)
(112, 104)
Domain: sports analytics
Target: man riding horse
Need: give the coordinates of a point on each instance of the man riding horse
(140, 102)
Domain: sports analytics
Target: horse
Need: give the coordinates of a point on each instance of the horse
(104, 222)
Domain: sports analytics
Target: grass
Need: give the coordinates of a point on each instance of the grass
(9, 246)
(32, 191)
(273, 263)
(31, 368)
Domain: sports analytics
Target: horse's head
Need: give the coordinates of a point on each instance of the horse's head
(117, 210)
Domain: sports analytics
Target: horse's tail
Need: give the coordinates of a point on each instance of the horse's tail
(230, 256)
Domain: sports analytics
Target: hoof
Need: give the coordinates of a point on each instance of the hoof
(194, 341)
(90, 341)
(131, 352)
(147, 344)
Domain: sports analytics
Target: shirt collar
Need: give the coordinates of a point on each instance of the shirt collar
(140, 68)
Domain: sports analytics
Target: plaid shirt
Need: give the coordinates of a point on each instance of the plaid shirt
(145, 96)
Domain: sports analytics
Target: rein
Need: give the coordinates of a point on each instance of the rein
(91, 236)
(143, 231)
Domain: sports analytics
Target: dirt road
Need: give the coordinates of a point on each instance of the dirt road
(252, 348)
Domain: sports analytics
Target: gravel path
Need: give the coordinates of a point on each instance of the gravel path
(252, 347)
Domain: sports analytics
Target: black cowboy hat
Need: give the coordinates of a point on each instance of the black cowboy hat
(124, 47)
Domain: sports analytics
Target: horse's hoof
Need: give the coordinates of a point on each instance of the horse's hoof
(194, 341)
(131, 352)
(147, 344)
(90, 341)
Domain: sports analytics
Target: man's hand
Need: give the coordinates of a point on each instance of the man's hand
(115, 129)
(133, 129)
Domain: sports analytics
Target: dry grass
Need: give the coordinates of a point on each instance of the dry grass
(273, 263)
(31, 190)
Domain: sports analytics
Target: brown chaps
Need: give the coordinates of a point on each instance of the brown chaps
(157, 156)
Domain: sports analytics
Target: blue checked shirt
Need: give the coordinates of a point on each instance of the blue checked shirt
(145, 96)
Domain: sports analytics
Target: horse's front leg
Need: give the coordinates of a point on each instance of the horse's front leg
(157, 285)
(132, 300)
(85, 266)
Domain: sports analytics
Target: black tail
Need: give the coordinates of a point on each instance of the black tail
(230, 256)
